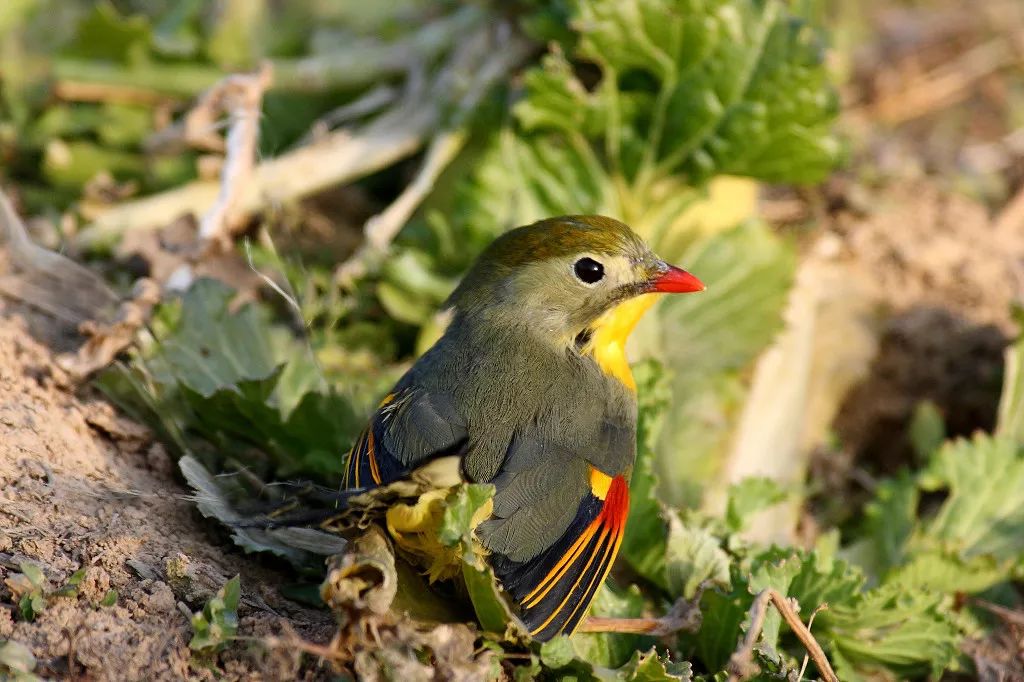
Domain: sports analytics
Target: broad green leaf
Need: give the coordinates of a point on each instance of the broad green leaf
(748, 272)
(242, 383)
(691, 87)
(643, 546)
(724, 612)
(889, 521)
(106, 35)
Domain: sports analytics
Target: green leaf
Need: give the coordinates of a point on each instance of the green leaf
(105, 34)
(109, 599)
(557, 653)
(33, 573)
(242, 384)
(889, 521)
(731, 87)
(649, 666)
(748, 497)
(70, 588)
(907, 630)
(984, 513)
(723, 615)
(489, 605)
(692, 556)
(748, 271)
(217, 623)
(927, 430)
(462, 506)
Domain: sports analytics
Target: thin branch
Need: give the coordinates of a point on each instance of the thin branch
(241, 96)
(382, 228)
(803, 633)
(75, 91)
(807, 657)
(741, 663)
(685, 614)
(370, 103)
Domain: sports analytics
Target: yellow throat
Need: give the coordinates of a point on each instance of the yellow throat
(607, 344)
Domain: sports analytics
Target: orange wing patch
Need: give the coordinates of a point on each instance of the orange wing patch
(555, 588)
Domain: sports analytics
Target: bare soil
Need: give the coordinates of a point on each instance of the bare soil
(83, 487)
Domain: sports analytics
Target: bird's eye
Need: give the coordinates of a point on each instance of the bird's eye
(588, 270)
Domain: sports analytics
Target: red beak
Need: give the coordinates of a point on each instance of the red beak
(676, 281)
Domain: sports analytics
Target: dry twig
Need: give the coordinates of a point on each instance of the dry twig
(685, 614)
(945, 86)
(241, 97)
(741, 663)
(342, 156)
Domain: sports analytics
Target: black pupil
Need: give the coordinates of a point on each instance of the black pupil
(589, 270)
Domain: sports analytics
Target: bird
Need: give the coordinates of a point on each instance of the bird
(529, 389)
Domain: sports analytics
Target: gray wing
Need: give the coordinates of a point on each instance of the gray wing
(410, 427)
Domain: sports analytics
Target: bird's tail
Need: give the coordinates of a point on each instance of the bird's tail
(287, 529)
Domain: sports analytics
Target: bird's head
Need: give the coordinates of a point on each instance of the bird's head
(565, 278)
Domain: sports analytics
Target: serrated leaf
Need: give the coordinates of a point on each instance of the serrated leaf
(692, 556)
(643, 546)
(889, 521)
(723, 615)
(735, 87)
(984, 513)
(908, 630)
(242, 383)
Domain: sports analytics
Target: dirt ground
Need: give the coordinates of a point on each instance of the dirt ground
(82, 487)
